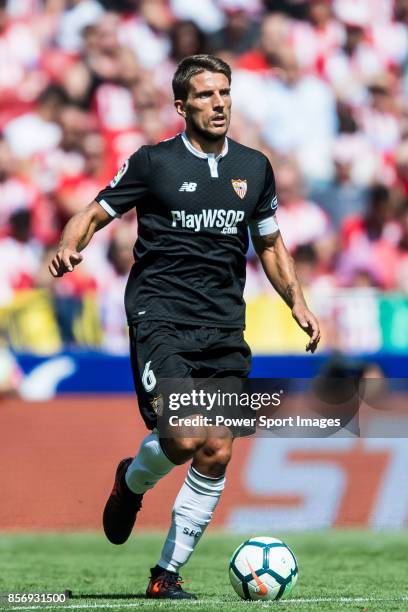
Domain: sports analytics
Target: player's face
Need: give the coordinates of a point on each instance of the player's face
(207, 109)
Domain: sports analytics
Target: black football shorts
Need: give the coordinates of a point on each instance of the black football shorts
(164, 350)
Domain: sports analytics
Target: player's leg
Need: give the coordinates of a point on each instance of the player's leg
(196, 501)
(160, 454)
(192, 513)
(136, 476)
(151, 358)
(227, 355)
(211, 460)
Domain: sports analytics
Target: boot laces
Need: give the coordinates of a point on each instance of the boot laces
(169, 581)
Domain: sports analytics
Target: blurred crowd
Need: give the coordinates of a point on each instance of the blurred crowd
(319, 86)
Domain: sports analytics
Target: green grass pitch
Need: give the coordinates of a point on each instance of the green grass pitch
(354, 570)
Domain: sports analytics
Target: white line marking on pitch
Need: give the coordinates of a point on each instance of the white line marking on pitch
(146, 602)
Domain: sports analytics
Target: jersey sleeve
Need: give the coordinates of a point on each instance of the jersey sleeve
(128, 186)
(263, 220)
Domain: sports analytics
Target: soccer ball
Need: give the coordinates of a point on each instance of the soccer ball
(264, 569)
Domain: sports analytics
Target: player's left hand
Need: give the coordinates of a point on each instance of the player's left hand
(308, 322)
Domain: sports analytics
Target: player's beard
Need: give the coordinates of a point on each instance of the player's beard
(208, 135)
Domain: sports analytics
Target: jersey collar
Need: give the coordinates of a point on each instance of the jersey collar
(200, 154)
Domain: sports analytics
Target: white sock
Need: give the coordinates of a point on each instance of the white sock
(149, 465)
(192, 512)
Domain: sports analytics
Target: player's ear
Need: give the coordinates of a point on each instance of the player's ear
(180, 108)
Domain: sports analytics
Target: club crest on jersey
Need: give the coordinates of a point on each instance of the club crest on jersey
(157, 405)
(120, 173)
(240, 187)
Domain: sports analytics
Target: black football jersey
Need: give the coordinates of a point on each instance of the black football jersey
(193, 213)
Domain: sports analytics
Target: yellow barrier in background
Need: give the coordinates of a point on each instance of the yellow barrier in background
(270, 327)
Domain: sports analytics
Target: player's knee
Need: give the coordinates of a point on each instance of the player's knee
(179, 449)
(217, 458)
(221, 459)
(189, 445)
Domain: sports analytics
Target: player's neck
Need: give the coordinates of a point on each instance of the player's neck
(203, 145)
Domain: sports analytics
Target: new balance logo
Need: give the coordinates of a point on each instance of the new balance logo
(188, 187)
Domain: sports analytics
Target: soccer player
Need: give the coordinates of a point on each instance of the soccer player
(195, 195)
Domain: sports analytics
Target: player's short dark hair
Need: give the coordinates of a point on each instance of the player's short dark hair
(192, 65)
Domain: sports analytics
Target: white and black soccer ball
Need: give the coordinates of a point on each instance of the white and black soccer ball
(263, 569)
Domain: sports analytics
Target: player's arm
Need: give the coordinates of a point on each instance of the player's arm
(76, 235)
(122, 194)
(280, 271)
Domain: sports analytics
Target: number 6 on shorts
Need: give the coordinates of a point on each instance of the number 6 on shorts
(148, 378)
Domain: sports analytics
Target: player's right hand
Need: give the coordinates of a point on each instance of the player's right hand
(65, 260)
